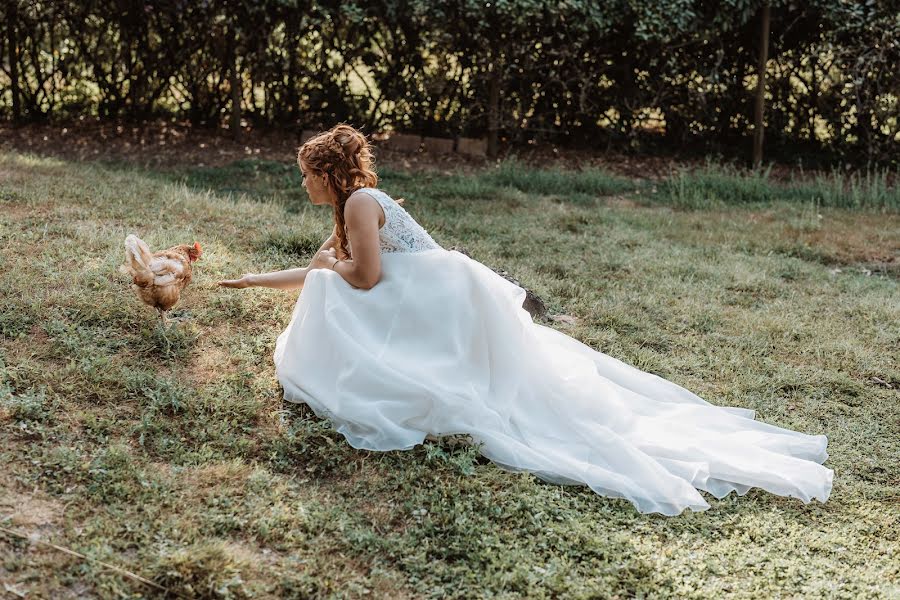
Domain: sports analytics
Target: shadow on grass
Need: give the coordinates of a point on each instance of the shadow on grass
(266, 180)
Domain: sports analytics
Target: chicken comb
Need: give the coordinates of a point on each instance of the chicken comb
(197, 247)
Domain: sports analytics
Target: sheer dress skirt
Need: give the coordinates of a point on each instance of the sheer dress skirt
(441, 345)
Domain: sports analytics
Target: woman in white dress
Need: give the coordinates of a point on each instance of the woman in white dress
(394, 338)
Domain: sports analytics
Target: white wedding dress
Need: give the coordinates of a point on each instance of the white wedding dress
(441, 345)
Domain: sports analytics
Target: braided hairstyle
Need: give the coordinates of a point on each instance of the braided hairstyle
(345, 157)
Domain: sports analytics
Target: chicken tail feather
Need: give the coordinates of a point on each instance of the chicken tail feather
(137, 260)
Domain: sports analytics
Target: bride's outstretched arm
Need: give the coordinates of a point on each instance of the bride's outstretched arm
(289, 279)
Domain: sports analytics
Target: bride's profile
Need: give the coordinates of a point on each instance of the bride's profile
(395, 339)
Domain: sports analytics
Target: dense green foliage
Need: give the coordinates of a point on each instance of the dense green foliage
(620, 72)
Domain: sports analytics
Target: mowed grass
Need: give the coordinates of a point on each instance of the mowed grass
(174, 456)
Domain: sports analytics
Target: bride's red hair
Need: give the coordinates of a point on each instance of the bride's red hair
(344, 155)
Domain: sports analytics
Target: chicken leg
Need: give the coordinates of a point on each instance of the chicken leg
(166, 320)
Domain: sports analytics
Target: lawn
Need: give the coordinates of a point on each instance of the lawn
(173, 456)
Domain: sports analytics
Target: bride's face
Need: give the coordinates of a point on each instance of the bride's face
(316, 185)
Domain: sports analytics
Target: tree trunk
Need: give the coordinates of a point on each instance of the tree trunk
(761, 86)
(629, 88)
(12, 18)
(293, 99)
(493, 141)
(813, 97)
(235, 85)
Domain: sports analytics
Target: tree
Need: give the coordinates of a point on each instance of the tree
(759, 113)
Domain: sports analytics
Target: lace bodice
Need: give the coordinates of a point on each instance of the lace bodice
(400, 232)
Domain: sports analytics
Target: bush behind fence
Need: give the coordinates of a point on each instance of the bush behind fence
(622, 73)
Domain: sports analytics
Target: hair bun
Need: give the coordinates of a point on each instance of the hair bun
(350, 140)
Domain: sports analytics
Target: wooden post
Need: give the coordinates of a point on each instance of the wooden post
(493, 148)
(761, 86)
(13, 43)
(813, 97)
(293, 99)
(235, 85)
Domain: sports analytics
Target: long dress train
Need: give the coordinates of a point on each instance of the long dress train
(441, 345)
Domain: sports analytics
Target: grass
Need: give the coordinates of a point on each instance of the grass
(173, 456)
(717, 186)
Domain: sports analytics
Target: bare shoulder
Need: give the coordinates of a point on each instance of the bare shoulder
(362, 206)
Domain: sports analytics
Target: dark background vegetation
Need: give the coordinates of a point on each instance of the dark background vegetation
(635, 75)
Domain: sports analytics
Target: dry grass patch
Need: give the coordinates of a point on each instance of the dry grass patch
(850, 239)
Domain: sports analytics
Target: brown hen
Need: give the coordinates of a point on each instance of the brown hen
(159, 277)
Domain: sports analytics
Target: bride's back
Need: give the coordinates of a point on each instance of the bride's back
(400, 232)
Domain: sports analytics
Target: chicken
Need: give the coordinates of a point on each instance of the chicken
(159, 277)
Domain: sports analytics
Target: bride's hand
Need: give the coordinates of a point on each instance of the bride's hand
(323, 259)
(245, 281)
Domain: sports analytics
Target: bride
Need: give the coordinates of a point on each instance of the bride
(394, 338)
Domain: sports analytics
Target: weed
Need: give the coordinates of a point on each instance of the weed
(207, 570)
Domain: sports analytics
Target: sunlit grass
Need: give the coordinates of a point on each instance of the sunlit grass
(721, 185)
(172, 454)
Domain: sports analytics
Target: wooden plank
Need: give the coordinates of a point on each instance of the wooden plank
(472, 146)
(435, 145)
(404, 142)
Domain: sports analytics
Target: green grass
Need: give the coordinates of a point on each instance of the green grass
(280, 183)
(716, 186)
(712, 186)
(174, 456)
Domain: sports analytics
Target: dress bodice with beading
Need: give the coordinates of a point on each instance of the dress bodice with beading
(400, 232)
